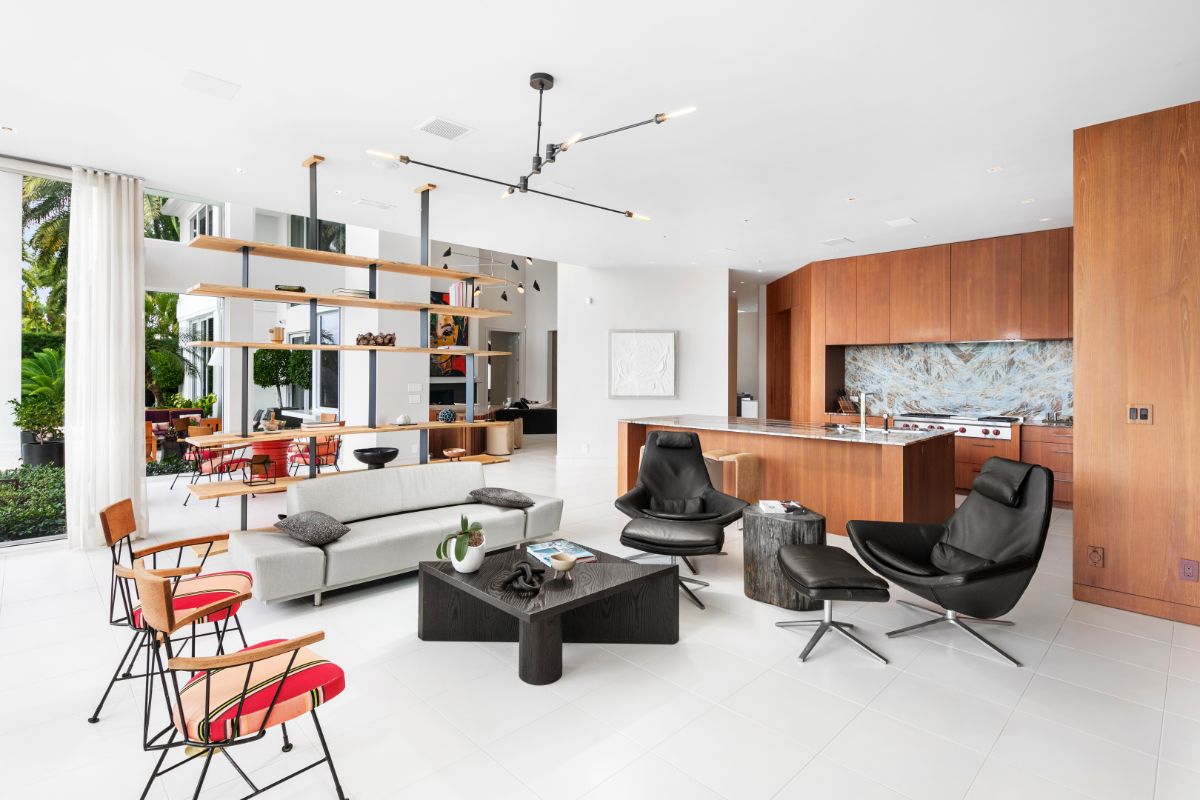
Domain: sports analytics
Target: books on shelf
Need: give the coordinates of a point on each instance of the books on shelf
(289, 287)
(460, 294)
(363, 293)
(319, 426)
(543, 550)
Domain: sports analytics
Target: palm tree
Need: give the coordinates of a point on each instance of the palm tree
(157, 224)
(166, 360)
(46, 218)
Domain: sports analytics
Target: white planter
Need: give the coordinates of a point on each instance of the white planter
(473, 560)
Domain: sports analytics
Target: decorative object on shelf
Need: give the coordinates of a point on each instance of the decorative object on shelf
(376, 457)
(466, 553)
(376, 339)
(641, 363)
(447, 415)
(289, 287)
(541, 82)
(845, 404)
(562, 564)
(344, 292)
(258, 471)
(275, 332)
(446, 330)
(404, 419)
(270, 423)
(454, 453)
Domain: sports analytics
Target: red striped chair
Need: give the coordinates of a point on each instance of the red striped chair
(191, 590)
(218, 703)
(329, 448)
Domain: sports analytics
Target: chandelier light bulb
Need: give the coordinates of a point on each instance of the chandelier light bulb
(520, 288)
(478, 291)
(575, 137)
(507, 193)
(528, 261)
(679, 112)
(638, 217)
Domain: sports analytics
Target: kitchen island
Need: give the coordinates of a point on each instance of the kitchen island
(900, 476)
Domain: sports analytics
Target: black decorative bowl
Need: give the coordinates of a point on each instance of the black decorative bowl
(376, 457)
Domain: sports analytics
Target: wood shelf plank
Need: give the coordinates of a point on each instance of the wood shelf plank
(344, 301)
(226, 245)
(227, 439)
(433, 351)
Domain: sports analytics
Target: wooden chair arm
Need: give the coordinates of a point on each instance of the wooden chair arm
(172, 572)
(211, 608)
(203, 663)
(158, 548)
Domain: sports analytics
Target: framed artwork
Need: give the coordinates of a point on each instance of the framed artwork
(642, 363)
(446, 330)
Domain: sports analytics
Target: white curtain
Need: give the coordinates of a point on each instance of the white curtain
(105, 394)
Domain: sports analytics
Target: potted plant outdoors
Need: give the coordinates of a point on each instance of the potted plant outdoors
(466, 552)
(42, 418)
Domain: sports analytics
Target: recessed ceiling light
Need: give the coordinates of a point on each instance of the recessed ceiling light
(338, 191)
(760, 270)
(238, 170)
(995, 169)
(741, 283)
(851, 199)
(1028, 200)
(6, 129)
(1045, 219)
(900, 223)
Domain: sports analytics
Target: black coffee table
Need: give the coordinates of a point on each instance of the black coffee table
(609, 601)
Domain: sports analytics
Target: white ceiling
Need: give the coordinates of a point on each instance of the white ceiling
(903, 106)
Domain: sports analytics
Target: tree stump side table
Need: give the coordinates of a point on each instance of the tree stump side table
(762, 536)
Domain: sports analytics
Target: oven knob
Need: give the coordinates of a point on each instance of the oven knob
(962, 430)
(986, 431)
(941, 427)
(995, 432)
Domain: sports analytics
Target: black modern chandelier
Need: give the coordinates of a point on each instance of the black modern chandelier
(543, 82)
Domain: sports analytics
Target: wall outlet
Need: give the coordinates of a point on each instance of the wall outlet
(1139, 414)
(1095, 556)
(414, 398)
(1189, 570)
(414, 387)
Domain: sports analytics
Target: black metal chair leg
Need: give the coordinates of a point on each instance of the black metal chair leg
(691, 595)
(287, 743)
(328, 758)
(203, 774)
(242, 634)
(154, 774)
(690, 565)
(95, 717)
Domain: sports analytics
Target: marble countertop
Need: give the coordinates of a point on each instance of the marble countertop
(797, 430)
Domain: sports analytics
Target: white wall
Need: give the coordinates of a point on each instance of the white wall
(747, 352)
(693, 301)
(541, 317)
(10, 320)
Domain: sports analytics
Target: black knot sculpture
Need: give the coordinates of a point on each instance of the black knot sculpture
(525, 579)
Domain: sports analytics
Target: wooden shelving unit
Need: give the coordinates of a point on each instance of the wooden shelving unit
(343, 301)
(382, 348)
(226, 245)
(312, 255)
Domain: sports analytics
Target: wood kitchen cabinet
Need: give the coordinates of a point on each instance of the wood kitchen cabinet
(985, 289)
(971, 453)
(841, 301)
(1046, 284)
(873, 299)
(920, 294)
(1052, 446)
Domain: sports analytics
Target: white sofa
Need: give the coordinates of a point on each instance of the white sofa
(396, 517)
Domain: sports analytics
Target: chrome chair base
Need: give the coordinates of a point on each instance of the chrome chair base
(957, 620)
(683, 582)
(824, 625)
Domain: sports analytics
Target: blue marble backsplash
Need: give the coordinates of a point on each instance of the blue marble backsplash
(1026, 379)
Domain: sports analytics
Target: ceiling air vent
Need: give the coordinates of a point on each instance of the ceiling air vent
(379, 204)
(902, 222)
(444, 128)
(841, 240)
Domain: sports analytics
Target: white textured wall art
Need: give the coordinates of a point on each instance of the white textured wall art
(641, 363)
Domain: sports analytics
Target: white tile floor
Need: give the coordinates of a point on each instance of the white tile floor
(1107, 706)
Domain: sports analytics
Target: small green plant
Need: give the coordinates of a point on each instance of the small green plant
(43, 374)
(470, 535)
(33, 503)
(41, 416)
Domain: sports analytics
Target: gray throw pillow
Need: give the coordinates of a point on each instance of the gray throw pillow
(495, 496)
(312, 527)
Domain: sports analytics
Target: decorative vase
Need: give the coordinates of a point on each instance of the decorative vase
(473, 560)
(404, 419)
(446, 415)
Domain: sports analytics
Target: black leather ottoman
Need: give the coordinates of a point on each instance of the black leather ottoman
(677, 539)
(825, 573)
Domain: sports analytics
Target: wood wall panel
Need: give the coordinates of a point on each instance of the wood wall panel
(841, 301)
(985, 289)
(731, 377)
(1045, 276)
(873, 297)
(920, 289)
(779, 364)
(1136, 285)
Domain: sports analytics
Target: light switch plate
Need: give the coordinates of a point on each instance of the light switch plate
(414, 387)
(414, 398)
(1139, 414)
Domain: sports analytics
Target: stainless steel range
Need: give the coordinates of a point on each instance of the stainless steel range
(962, 425)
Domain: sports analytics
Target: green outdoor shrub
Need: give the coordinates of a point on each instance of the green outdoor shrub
(41, 416)
(168, 466)
(44, 374)
(33, 503)
(37, 341)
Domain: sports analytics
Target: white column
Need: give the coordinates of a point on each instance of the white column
(10, 320)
